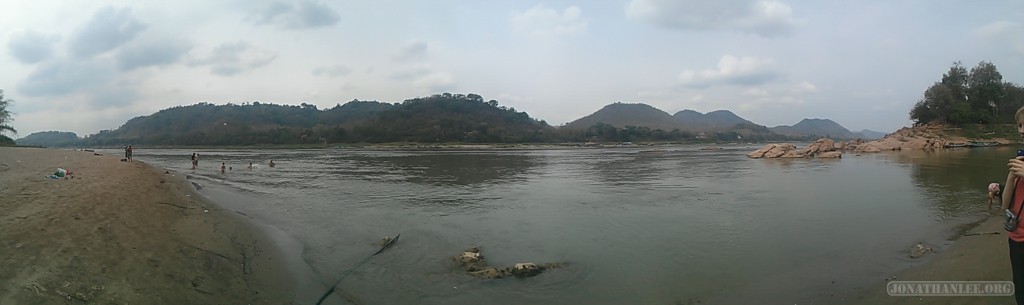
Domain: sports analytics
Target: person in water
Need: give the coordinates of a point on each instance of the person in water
(271, 163)
(1013, 199)
(222, 167)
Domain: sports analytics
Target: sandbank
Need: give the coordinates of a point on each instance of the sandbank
(124, 233)
(977, 255)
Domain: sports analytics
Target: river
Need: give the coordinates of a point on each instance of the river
(678, 225)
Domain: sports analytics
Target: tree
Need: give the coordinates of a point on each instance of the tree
(978, 96)
(5, 115)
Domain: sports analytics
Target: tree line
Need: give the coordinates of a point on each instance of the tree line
(978, 96)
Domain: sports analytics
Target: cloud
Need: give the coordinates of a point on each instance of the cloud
(732, 71)
(415, 51)
(805, 87)
(770, 102)
(410, 73)
(233, 58)
(436, 82)
(31, 47)
(152, 53)
(765, 18)
(108, 29)
(332, 71)
(542, 21)
(1005, 34)
(60, 77)
(756, 92)
(304, 15)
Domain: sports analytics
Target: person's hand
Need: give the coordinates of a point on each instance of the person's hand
(1016, 166)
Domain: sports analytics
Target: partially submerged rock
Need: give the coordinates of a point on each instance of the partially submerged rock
(919, 250)
(476, 265)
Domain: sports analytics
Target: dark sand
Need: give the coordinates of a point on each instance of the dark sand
(124, 233)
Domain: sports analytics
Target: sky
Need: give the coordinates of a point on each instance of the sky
(86, 66)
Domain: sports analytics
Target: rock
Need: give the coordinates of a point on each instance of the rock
(819, 145)
(488, 273)
(471, 258)
(831, 154)
(779, 150)
(475, 265)
(760, 152)
(919, 250)
(526, 269)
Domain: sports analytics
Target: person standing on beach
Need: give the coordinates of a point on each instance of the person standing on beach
(126, 153)
(129, 153)
(1013, 199)
(194, 160)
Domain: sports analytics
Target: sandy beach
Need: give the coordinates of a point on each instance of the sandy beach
(124, 233)
(977, 255)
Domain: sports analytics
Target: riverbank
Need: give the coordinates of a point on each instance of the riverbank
(124, 233)
(977, 255)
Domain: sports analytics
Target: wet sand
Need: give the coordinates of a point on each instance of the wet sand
(981, 257)
(124, 233)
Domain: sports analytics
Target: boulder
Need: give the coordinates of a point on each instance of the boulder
(488, 273)
(819, 145)
(779, 150)
(526, 269)
(760, 152)
(831, 154)
(473, 262)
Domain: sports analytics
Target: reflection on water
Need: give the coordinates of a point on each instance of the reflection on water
(675, 225)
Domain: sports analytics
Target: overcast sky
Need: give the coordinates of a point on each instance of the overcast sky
(84, 66)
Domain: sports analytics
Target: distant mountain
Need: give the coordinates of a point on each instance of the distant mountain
(871, 134)
(623, 114)
(815, 127)
(49, 139)
(715, 120)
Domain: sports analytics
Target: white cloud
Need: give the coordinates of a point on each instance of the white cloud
(755, 92)
(414, 51)
(332, 71)
(147, 53)
(108, 29)
(234, 58)
(770, 102)
(304, 15)
(436, 82)
(1003, 34)
(805, 87)
(60, 77)
(543, 21)
(31, 47)
(732, 70)
(765, 18)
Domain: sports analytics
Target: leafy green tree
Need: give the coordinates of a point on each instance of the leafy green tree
(979, 96)
(5, 115)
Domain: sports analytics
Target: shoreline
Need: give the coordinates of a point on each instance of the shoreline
(975, 255)
(125, 232)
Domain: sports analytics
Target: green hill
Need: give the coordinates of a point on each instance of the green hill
(622, 114)
(49, 139)
(438, 118)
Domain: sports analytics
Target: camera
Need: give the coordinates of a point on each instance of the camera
(1011, 221)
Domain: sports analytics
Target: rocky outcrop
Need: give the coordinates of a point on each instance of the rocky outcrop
(927, 136)
(817, 148)
(475, 265)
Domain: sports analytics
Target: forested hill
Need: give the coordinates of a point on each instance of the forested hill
(438, 118)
